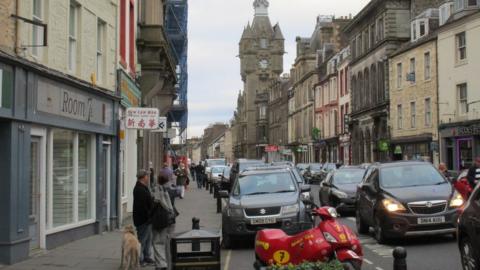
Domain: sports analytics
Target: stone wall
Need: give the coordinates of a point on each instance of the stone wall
(7, 23)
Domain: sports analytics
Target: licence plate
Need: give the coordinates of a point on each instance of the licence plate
(431, 220)
(261, 221)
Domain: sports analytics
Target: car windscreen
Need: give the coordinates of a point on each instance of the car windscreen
(346, 177)
(410, 176)
(298, 176)
(218, 169)
(215, 162)
(330, 166)
(264, 183)
(246, 165)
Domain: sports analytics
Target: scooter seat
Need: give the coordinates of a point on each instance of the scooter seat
(272, 234)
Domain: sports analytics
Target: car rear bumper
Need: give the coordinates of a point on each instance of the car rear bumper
(399, 224)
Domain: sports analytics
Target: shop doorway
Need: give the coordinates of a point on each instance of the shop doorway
(37, 184)
(465, 153)
(105, 186)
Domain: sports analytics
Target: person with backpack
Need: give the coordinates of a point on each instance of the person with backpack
(163, 220)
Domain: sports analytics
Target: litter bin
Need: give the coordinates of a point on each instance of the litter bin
(196, 249)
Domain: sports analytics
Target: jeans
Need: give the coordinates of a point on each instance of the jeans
(199, 181)
(145, 238)
(161, 247)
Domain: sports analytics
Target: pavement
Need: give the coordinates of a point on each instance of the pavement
(103, 251)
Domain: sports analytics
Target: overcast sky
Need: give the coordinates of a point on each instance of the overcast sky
(215, 28)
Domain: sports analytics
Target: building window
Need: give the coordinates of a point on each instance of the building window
(428, 112)
(6, 86)
(411, 74)
(131, 36)
(427, 64)
(372, 35)
(263, 112)
(123, 30)
(461, 46)
(37, 31)
(380, 29)
(459, 4)
(244, 133)
(263, 43)
(413, 114)
(399, 75)
(472, 3)
(422, 28)
(100, 49)
(399, 116)
(462, 99)
(72, 37)
(71, 183)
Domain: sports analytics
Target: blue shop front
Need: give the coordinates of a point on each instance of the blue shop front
(58, 159)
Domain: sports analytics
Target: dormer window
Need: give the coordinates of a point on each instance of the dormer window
(462, 4)
(263, 43)
(419, 29)
(445, 12)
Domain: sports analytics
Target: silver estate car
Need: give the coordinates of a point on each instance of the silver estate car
(263, 198)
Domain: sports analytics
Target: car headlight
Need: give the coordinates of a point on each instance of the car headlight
(340, 194)
(392, 205)
(232, 212)
(457, 200)
(329, 237)
(290, 209)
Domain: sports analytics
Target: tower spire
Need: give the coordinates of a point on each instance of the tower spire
(261, 7)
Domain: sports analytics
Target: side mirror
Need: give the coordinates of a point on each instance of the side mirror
(305, 188)
(223, 194)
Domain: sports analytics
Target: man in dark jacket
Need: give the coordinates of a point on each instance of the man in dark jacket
(200, 171)
(142, 209)
(473, 175)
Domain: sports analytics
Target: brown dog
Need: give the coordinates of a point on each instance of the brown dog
(130, 249)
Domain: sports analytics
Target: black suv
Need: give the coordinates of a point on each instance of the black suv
(469, 233)
(406, 199)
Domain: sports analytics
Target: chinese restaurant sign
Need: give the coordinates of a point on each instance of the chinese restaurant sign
(142, 118)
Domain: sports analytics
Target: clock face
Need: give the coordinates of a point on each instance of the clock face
(263, 64)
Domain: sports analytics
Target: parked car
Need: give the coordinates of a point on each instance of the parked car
(260, 199)
(302, 167)
(339, 189)
(225, 178)
(209, 163)
(215, 173)
(313, 173)
(326, 169)
(240, 165)
(469, 233)
(406, 199)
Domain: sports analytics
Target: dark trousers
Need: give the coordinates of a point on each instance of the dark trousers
(144, 233)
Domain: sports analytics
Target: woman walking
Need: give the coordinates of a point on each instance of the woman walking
(182, 175)
(163, 221)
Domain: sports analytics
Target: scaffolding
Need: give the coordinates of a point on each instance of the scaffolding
(176, 23)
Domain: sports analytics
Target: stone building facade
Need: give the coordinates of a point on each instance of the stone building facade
(413, 94)
(326, 38)
(344, 104)
(261, 59)
(458, 86)
(210, 134)
(278, 118)
(375, 33)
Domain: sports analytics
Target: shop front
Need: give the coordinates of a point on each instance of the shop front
(460, 144)
(413, 148)
(127, 141)
(58, 159)
(345, 150)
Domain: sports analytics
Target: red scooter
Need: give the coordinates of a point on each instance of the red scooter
(328, 241)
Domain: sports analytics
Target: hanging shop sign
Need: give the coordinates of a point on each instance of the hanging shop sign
(271, 148)
(129, 90)
(383, 145)
(142, 118)
(398, 150)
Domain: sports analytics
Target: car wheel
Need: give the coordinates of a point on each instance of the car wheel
(379, 234)
(362, 228)
(466, 251)
(351, 265)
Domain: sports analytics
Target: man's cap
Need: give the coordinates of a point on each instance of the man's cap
(142, 173)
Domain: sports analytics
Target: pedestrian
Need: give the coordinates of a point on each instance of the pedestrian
(167, 172)
(182, 175)
(473, 175)
(163, 220)
(442, 167)
(192, 171)
(142, 208)
(200, 170)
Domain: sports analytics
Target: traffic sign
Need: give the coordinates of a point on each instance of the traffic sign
(162, 124)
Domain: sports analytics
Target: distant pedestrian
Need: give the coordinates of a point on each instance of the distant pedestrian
(142, 208)
(473, 175)
(182, 175)
(200, 171)
(163, 220)
(442, 167)
(167, 172)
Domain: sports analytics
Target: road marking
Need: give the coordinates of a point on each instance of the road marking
(367, 261)
(227, 260)
(378, 268)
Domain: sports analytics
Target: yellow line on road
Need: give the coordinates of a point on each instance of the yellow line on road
(227, 260)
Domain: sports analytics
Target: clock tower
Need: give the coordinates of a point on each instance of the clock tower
(261, 60)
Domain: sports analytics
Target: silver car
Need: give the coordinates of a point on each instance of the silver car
(261, 199)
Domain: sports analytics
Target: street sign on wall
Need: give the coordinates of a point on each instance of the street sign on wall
(142, 118)
(162, 124)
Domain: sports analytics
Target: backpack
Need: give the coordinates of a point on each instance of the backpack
(161, 218)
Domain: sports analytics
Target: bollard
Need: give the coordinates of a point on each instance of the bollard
(195, 226)
(219, 204)
(399, 258)
(211, 188)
